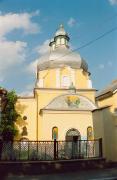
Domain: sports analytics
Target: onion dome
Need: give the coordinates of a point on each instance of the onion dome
(60, 54)
(61, 31)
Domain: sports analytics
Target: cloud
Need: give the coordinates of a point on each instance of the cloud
(25, 93)
(28, 92)
(1, 79)
(109, 63)
(31, 68)
(11, 54)
(101, 66)
(71, 22)
(113, 2)
(41, 50)
(15, 21)
(30, 86)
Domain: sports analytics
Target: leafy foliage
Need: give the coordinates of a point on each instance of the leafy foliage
(9, 117)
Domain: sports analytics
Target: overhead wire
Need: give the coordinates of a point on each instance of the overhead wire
(98, 26)
(90, 42)
(101, 36)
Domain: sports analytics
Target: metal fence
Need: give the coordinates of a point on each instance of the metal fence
(50, 150)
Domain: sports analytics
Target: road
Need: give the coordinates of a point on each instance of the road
(102, 174)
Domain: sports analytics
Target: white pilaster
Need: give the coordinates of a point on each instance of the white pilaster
(89, 83)
(72, 76)
(58, 78)
(40, 83)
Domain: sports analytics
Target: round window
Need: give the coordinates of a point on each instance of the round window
(24, 117)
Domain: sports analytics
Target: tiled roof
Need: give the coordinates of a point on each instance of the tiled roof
(110, 88)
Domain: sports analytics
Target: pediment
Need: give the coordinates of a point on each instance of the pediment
(71, 102)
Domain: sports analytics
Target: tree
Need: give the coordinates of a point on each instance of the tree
(9, 116)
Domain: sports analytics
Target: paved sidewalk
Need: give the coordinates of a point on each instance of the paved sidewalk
(104, 174)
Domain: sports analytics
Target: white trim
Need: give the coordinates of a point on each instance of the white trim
(65, 81)
(58, 78)
(89, 83)
(40, 83)
(114, 91)
(72, 71)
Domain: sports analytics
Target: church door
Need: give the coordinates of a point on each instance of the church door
(72, 144)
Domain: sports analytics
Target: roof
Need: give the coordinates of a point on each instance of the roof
(108, 90)
(60, 57)
(101, 108)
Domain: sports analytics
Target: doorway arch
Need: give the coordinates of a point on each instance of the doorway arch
(73, 135)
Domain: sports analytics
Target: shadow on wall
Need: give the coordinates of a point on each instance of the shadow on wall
(105, 127)
(21, 121)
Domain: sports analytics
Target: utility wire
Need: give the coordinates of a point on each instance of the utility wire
(102, 23)
(97, 26)
(99, 37)
(90, 42)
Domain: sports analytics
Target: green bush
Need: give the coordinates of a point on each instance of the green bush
(9, 117)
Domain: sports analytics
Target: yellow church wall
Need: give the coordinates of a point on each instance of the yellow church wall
(50, 77)
(89, 94)
(47, 95)
(81, 79)
(27, 107)
(65, 120)
(31, 107)
(43, 74)
(65, 71)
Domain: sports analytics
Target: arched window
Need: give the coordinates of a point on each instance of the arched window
(89, 133)
(58, 41)
(62, 41)
(54, 133)
(65, 81)
(24, 131)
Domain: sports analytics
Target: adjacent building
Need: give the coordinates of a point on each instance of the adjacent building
(105, 120)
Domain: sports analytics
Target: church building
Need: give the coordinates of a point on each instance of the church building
(64, 100)
(64, 105)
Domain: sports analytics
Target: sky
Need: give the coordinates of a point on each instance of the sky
(26, 27)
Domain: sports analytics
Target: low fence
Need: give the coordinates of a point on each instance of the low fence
(50, 150)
